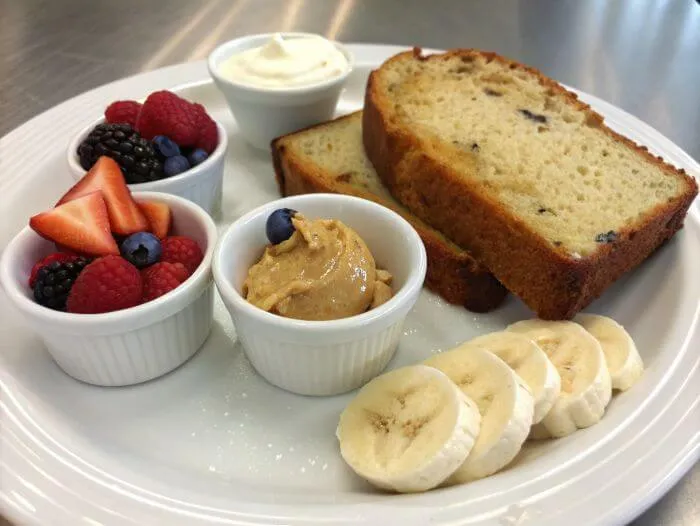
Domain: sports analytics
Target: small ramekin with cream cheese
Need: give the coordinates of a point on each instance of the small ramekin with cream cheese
(277, 83)
(284, 62)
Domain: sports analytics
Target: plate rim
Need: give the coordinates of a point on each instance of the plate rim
(370, 55)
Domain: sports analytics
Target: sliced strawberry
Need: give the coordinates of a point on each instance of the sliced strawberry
(124, 216)
(65, 250)
(158, 216)
(81, 225)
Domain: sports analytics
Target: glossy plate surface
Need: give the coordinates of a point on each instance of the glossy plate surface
(212, 443)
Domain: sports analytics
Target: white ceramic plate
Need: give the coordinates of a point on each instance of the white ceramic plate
(212, 443)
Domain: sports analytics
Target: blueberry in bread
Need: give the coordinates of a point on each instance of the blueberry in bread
(329, 157)
(514, 168)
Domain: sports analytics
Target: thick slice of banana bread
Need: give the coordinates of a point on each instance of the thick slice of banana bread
(330, 158)
(514, 168)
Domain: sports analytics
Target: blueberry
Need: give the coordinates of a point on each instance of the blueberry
(175, 165)
(166, 146)
(606, 237)
(279, 225)
(197, 156)
(533, 116)
(141, 249)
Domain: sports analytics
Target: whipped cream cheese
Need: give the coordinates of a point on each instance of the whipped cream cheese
(286, 62)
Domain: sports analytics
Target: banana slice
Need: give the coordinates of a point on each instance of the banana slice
(585, 381)
(530, 363)
(505, 403)
(621, 355)
(408, 430)
(539, 432)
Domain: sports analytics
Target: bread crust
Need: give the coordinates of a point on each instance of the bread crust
(452, 273)
(554, 284)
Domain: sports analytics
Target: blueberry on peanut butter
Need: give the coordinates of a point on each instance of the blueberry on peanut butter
(279, 225)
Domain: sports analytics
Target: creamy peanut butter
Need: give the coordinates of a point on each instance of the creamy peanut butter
(324, 271)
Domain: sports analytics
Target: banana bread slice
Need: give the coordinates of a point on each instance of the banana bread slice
(329, 157)
(515, 169)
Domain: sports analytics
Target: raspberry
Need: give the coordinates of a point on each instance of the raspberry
(208, 132)
(161, 278)
(164, 113)
(59, 257)
(123, 112)
(107, 284)
(180, 249)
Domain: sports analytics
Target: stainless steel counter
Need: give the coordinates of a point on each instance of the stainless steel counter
(642, 55)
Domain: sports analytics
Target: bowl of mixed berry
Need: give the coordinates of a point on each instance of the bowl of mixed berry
(163, 144)
(117, 285)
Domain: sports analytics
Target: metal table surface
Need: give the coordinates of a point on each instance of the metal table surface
(641, 55)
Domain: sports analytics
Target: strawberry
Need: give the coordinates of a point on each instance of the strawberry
(81, 225)
(66, 250)
(124, 216)
(180, 249)
(105, 285)
(208, 132)
(164, 113)
(158, 216)
(59, 257)
(161, 278)
(123, 111)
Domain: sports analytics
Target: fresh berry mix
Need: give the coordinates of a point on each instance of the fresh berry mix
(54, 281)
(180, 249)
(135, 155)
(279, 226)
(161, 278)
(143, 137)
(98, 218)
(141, 249)
(123, 112)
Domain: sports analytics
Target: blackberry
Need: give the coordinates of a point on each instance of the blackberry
(54, 281)
(136, 156)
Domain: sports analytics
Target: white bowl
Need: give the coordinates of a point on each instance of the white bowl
(128, 346)
(201, 184)
(322, 357)
(265, 113)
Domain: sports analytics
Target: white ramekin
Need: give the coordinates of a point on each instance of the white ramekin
(128, 346)
(265, 113)
(201, 184)
(322, 357)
